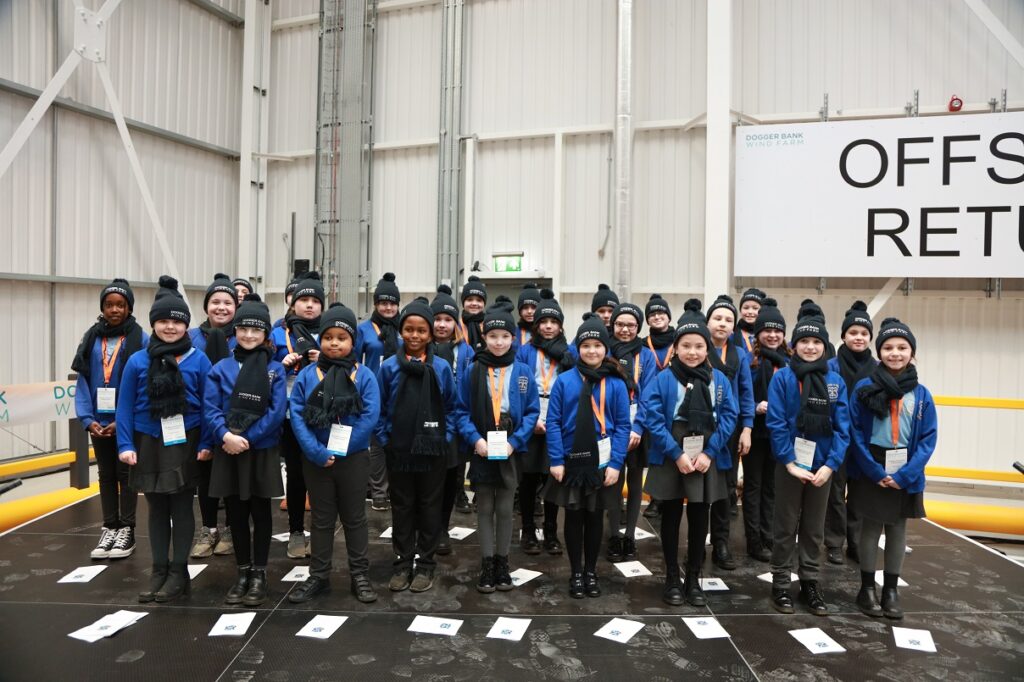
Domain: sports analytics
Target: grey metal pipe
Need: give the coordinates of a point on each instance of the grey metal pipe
(624, 150)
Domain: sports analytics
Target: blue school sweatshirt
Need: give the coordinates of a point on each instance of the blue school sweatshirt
(742, 386)
(199, 340)
(561, 421)
(220, 382)
(519, 399)
(85, 390)
(388, 378)
(528, 355)
(783, 406)
(369, 348)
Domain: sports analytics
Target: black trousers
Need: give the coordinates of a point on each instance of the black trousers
(454, 481)
(295, 492)
(720, 509)
(338, 491)
(166, 509)
(255, 549)
(117, 499)
(758, 493)
(529, 484)
(696, 529)
(416, 508)
(842, 522)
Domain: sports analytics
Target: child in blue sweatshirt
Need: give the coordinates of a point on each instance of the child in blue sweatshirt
(335, 405)
(809, 422)
(588, 429)
(99, 361)
(160, 437)
(244, 411)
(894, 434)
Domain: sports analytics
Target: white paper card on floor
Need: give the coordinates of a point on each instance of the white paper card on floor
(632, 569)
(767, 577)
(460, 533)
(523, 575)
(816, 641)
(195, 569)
(705, 627)
(639, 534)
(107, 626)
(713, 585)
(283, 537)
(82, 574)
(880, 580)
(619, 630)
(296, 575)
(430, 625)
(321, 627)
(511, 629)
(232, 624)
(881, 544)
(386, 533)
(918, 640)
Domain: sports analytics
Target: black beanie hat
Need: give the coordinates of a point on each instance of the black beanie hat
(168, 304)
(340, 316)
(769, 317)
(755, 295)
(592, 328)
(724, 301)
(548, 307)
(221, 285)
(498, 316)
(857, 316)
(387, 290)
(809, 308)
(892, 327)
(253, 313)
(628, 308)
(443, 303)
(810, 326)
(530, 295)
(310, 286)
(692, 322)
(474, 287)
(604, 298)
(292, 286)
(245, 283)
(119, 286)
(418, 307)
(657, 304)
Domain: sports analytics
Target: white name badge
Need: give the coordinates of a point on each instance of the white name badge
(543, 409)
(693, 446)
(337, 443)
(497, 445)
(804, 453)
(894, 460)
(173, 429)
(604, 452)
(632, 412)
(289, 382)
(106, 400)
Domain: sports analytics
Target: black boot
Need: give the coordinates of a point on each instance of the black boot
(576, 586)
(257, 593)
(673, 592)
(528, 542)
(891, 597)
(811, 596)
(237, 592)
(362, 589)
(652, 510)
(309, 588)
(156, 581)
(177, 584)
(486, 584)
(628, 549)
(758, 552)
(590, 584)
(692, 591)
(781, 601)
(722, 557)
(867, 601)
(502, 579)
(614, 549)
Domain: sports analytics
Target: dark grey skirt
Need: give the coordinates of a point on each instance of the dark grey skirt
(164, 468)
(254, 473)
(885, 505)
(576, 497)
(665, 482)
(535, 459)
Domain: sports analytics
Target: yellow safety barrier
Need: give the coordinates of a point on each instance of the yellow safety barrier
(974, 474)
(991, 403)
(976, 517)
(19, 511)
(28, 465)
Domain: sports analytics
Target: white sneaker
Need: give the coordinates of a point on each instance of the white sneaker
(124, 543)
(102, 550)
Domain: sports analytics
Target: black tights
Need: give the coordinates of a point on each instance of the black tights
(239, 512)
(583, 530)
(165, 509)
(207, 505)
(696, 532)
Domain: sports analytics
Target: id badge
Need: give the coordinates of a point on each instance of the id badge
(604, 452)
(173, 429)
(895, 460)
(543, 410)
(804, 453)
(337, 443)
(289, 382)
(693, 446)
(497, 445)
(632, 412)
(106, 400)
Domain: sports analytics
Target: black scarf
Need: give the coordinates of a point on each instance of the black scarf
(217, 340)
(771, 360)
(697, 409)
(165, 386)
(731, 364)
(474, 333)
(854, 365)
(446, 351)
(664, 338)
(303, 339)
(815, 415)
(482, 470)
(336, 395)
(388, 334)
(418, 431)
(556, 349)
(251, 394)
(582, 462)
(885, 387)
(129, 329)
(628, 351)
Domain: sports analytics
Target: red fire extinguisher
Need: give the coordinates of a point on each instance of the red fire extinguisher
(955, 103)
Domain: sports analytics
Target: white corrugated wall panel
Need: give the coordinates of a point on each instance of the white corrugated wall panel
(26, 42)
(25, 340)
(669, 59)
(408, 80)
(292, 89)
(586, 214)
(286, 9)
(291, 190)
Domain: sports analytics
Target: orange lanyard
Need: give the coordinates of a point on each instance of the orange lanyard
(545, 377)
(725, 349)
(352, 376)
(522, 337)
(636, 375)
(895, 408)
(497, 390)
(288, 340)
(108, 367)
(746, 342)
(376, 329)
(599, 414)
(668, 355)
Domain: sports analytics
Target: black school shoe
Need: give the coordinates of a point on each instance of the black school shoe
(673, 592)
(486, 584)
(811, 596)
(614, 553)
(462, 503)
(529, 543)
(781, 601)
(502, 578)
(309, 588)
(652, 511)
(590, 584)
(444, 545)
(722, 557)
(552, 546)
(835, 555)
(867, 602)
(628, 549)
(237, 592)
(891, 603)
(692, 591)
(576, 586)
(759, 552)
(362, 589)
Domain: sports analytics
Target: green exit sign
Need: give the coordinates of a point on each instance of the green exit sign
(508, 263)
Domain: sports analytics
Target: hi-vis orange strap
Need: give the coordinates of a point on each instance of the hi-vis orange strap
(895, 408)
(668, 355)
(599, 414)
(376, 329)
(522, 337)
(546, 377)
(636, 375)
(108, 366)
(288, 340)
(725, 350)
(497, 390)
(746, 342)
(352, 376)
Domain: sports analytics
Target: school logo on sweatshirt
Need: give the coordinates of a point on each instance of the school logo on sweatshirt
(833, 392)
(524, 383)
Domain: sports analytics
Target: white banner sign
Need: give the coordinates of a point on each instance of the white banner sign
(939, 196)
(36, 403)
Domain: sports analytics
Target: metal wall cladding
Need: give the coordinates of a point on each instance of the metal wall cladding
(286, 9)
(26, 42)
(669, 59)
(291, 189)
(587, 217)
(294, 53)
(868, 54)
(407, 85)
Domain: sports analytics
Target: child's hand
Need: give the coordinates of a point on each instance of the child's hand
(96, 430)
(313, 356)
(634, 440)
(558, 473)
(290, 359)
(511, 450)
(204, 455)
(611, 476)
(480, 447)
(684, 464)
(762, 407)
(822, 476)
(702, 463)
(330, 462)
(743, 447)
(540, 428)
(235, 444)
(804, 475)
(129, 457)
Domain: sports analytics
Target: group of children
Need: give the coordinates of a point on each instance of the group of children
(396, 407)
